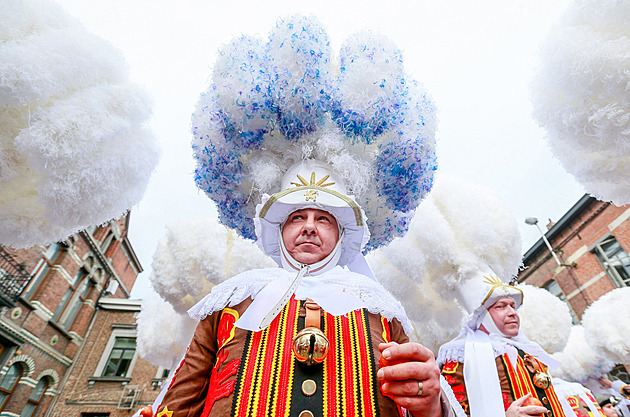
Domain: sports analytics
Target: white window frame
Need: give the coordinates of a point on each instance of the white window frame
(603, 260)
(160, 371)
(98, 372)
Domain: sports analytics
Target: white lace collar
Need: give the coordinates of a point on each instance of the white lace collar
(377, 299)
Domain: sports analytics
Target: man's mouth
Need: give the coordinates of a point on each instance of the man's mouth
(308, 243)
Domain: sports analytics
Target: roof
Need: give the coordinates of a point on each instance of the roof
(582, 204)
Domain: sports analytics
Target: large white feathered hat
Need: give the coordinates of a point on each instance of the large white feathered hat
(280, 107)
(75, 149)
(607, 337)
(545, 318)
(581, 96)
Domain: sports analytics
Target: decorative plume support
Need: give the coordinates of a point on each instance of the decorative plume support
(278, 101)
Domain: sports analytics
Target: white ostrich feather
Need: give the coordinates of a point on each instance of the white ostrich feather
(163, 333)
(581, 96)
(195, 255)
(74, 148)
(545, 319)
(424, 268)
(578, 362)
(605, 327)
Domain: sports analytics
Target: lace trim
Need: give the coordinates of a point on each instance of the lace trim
(454, 350)
(248, 284)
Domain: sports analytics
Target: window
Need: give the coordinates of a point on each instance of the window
(553, 287)
(42, 268)
(36, 397)
(107, 242)
(164, 373)
(72, 300)
(9, 382)
(121, 356)
(614, 259)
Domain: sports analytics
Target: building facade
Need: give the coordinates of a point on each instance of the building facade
(108, 379)
(50, 297)
(591, 243)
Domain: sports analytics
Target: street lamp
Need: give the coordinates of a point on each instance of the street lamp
(534, 221)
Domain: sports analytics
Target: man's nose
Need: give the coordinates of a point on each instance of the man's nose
(309, 226)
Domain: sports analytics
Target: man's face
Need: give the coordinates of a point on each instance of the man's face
(504, 314)
(310, 235)
(609, 410)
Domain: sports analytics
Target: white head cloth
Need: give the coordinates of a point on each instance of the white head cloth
(308, 184)
(331, 299)
(320, 187)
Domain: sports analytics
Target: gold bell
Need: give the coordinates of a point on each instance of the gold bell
(310, 346)
(542, 380)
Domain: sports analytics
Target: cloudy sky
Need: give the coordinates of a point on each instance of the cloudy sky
(476, 59)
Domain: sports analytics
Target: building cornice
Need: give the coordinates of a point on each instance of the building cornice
(121, 304)
(31, 338)
(577, 208)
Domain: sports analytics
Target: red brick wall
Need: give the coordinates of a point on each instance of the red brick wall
(583, 231)
(34, 323)
(79, 396)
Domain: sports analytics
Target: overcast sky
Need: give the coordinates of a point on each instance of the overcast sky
(475, 58)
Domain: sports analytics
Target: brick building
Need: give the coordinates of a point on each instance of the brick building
(51, 301)
(108, 379)
(591, 243)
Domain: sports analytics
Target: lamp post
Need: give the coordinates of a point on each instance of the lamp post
(534, 221)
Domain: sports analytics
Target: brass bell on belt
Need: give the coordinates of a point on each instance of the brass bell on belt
(542, 380)
(310, 346)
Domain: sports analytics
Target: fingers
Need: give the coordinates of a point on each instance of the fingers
(533, 410)
(407, 366)
(427, 406)
(520, 401)
(410, 388)
(517, 408)
(413, 370)
(405, 352)
(407, 388)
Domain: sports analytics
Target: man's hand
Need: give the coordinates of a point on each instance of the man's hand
(604, 381)
(517, 409)
(404, 367)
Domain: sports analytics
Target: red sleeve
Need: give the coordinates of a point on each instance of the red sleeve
(453, 372)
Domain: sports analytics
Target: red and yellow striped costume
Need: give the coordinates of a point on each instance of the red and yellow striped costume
(232, 372)
(516, 381)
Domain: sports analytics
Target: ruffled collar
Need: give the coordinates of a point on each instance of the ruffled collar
(371, 294)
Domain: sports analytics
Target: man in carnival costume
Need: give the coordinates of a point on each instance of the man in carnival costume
(618, 390)
(579, 398)
(317, 335)
(491, 367)
(608, 403)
